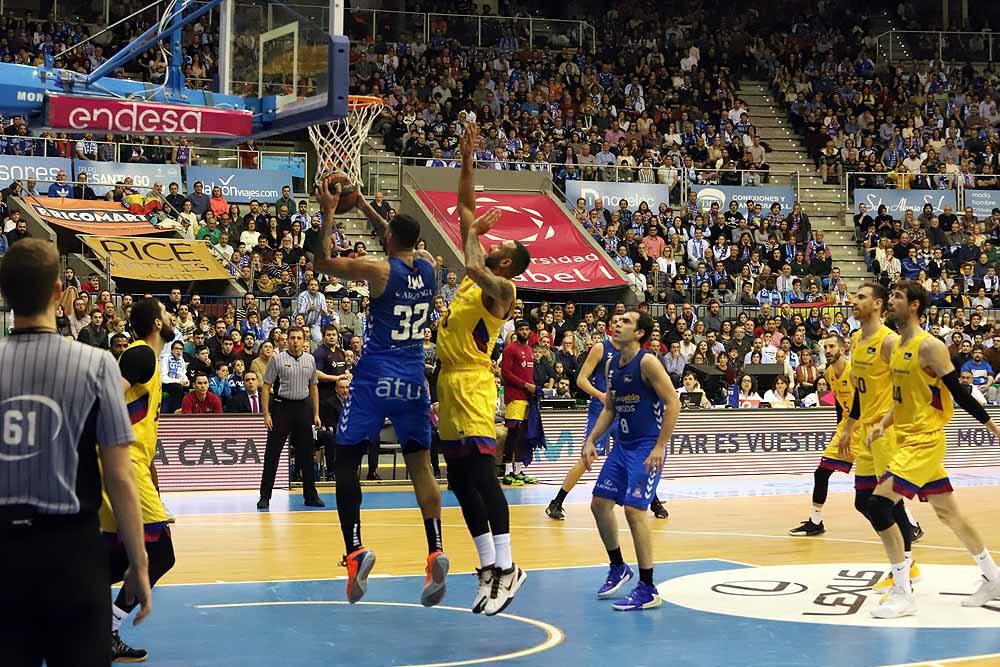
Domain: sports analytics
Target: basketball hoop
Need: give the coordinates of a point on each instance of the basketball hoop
(338, 142)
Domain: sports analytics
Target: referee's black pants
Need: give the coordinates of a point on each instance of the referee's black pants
(290, 419)
(54, 592)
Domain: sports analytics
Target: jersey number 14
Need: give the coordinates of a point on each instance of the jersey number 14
(411, 321)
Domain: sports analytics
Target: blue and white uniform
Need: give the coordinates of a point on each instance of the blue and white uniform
(599, 379)
(638, 415)
(389, 379)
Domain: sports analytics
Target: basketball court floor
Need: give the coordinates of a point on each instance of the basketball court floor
(255, 589)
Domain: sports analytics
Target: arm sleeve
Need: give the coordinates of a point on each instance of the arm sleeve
(138, 364)
(856, 406)
(964, 398)
(840, 411)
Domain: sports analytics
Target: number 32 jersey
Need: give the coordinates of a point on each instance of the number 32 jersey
(399, 316)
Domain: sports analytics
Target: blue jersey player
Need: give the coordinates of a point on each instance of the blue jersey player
(592, 379)
(388, 384)
(644, 405)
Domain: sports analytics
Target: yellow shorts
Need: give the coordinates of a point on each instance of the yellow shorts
(872, 462)
(516, 411)
(467, 404)
(832, 460)
(918, 466)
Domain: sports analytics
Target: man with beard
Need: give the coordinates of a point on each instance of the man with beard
(517, 369)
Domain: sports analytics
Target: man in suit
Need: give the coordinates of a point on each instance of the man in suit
(247, 402)
(329, 412)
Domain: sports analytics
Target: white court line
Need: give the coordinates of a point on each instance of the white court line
(416, 574)
(945, 661)
(553, 635)
(702, 533)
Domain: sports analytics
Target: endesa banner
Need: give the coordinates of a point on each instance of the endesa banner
(42, 169)
(103, 175)
(90, 217)
(117, 116)
(167, 260)
(207, 452)
(900, 201)
(764, 195)
(562, 258)
(611, 194)
(241, 185)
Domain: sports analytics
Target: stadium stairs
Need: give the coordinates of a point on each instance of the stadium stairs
(826, 205)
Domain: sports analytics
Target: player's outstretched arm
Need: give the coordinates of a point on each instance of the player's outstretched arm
(467, 183)
(935, 358)
(499, 289)
(378, 223)
(374, 271)
(656, 375)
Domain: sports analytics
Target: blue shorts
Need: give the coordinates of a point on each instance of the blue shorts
(625, 480)
(593, 412)
(378, 392)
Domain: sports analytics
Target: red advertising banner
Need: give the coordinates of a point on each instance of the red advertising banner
(89, 216)
(207, 452)
(117, 116)
(562, 259)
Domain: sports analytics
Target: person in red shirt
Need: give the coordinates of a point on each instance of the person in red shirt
(201, 400)
(517, 370)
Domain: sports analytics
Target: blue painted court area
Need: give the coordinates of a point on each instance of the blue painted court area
(720, 487)
(555, 620)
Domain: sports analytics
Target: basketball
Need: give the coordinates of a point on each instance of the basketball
(348, 192)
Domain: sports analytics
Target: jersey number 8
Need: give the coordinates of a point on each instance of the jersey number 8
(411, 321)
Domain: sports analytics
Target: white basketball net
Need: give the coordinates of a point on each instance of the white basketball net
(338, 142)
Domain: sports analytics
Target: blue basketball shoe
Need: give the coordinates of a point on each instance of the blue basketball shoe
(618, 576)
(643, 596)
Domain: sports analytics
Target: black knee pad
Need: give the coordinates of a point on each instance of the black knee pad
(821, 485)
(880, 513)
(861, 498)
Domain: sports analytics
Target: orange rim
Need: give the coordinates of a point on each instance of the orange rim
(363, 101)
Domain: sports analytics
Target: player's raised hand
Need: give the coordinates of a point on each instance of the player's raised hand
(485, 222)
(467, 144)
(328, 194)
(589, 454)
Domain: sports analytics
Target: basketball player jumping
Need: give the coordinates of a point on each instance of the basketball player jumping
(838, 376)
(388, 383)
(871, 351)
(643, 402)
(593, 381)
(140, 370)
(924, 384)
(467, 393)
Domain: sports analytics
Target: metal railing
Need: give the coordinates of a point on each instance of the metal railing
(122, 151)
(384, 172)
(909, 45)
(504, 33)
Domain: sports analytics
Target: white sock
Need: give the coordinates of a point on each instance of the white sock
(118, 616)
(909, 558)
(508, 468)
(487, 553)
(817, 515)
(901, 577)
(986, 565)
(909, 515)
(502, 545)
(518, 467)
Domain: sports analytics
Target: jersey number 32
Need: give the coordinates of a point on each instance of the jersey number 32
(411, 321)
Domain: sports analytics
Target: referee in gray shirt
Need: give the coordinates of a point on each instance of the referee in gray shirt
(59, 400)
(290, 401)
